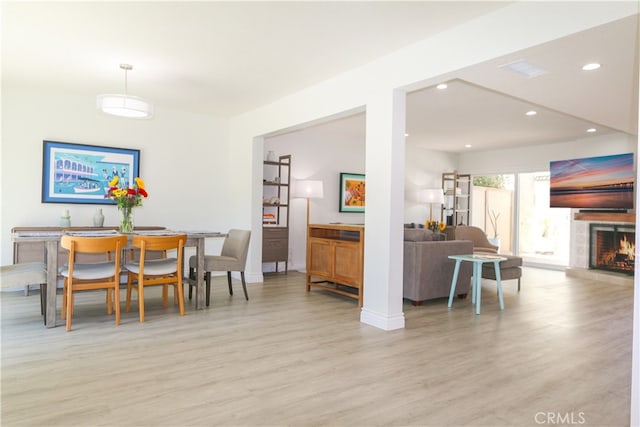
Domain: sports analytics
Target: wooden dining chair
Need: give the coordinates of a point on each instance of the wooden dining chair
(81, 276)
(149, 272)
(233, 257)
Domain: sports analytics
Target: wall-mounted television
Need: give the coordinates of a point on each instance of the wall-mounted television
(597, 183)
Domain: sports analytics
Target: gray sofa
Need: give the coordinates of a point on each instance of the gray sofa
(427, 269)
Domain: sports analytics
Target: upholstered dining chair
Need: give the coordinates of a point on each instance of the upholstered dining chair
(477, 236)
(81, 276)
(151, 271)
(233, 257)
(25, 274)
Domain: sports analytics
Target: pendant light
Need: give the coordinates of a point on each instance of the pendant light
(125, 105)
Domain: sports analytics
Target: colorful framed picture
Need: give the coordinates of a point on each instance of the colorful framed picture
(352, 192)
(78, 173)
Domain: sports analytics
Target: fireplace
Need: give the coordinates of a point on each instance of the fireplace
(612, 247)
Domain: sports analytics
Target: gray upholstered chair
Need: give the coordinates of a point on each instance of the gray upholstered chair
(26, 274)
(509, 269)
(233, 257)
(477, 236)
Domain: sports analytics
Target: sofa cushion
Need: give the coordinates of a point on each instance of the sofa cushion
(415, 234)
(510, 262)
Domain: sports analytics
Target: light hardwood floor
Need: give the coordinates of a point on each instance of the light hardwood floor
(562, 346)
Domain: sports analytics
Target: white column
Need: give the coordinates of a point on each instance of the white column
(383, 250)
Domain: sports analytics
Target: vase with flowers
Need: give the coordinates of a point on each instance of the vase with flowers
(126, 199)
(435, 226)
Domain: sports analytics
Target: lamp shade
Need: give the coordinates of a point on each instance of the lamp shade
(308, 189)
(125, 106)
(431, 195)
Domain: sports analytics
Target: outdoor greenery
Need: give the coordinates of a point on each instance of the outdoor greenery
(493, 181)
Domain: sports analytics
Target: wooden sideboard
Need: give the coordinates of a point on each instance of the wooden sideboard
(335, 258)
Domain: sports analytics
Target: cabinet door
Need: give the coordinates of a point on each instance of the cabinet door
(321, 255)
(275, 244)
(347, 263)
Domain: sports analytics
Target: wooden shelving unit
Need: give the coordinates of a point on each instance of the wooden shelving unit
(456, 209)
(275, 210)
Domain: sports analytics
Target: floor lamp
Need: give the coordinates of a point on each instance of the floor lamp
(431, 196)
(308, 189)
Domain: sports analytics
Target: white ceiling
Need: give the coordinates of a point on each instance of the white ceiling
(224, 58)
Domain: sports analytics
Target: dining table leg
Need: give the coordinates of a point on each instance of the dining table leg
(52, 285)
(199, 273)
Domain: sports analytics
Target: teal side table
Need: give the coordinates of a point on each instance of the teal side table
(476, 285)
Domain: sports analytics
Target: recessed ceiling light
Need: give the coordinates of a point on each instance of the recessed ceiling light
(590, 67)
(591, 130)
(442, 86)
(468, 145)
(531, 113)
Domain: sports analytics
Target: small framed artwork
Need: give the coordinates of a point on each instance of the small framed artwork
(78, 173)
(352, 192)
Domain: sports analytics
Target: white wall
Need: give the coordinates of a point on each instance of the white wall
(537, 158)
(424, 169)
(183, 160)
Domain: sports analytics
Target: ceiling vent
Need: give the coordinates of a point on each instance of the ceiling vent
(524, 69)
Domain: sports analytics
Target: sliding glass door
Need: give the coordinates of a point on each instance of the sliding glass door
(515, 210)
(543, 232)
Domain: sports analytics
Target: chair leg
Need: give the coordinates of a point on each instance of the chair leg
(69, 306)
(192, 276)
(165, 295)
(207, 279)
(116, 300)
(109, 301)
(127, 306)
(244, 286)
(180, 297)
(141, 299)
(63, 313)
(518, 284)
(229, 281)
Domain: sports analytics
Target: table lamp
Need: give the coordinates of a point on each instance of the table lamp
(431, 196)
(308, 189)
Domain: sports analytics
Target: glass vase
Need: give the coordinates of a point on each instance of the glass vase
(126, 219)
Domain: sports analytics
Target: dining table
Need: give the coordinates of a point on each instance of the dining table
(51, 239)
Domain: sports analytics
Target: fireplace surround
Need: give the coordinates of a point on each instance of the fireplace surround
(612, 247)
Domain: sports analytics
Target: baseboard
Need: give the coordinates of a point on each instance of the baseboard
(382, 321)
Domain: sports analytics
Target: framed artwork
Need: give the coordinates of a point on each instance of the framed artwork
(352, 191)
(78, 173)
